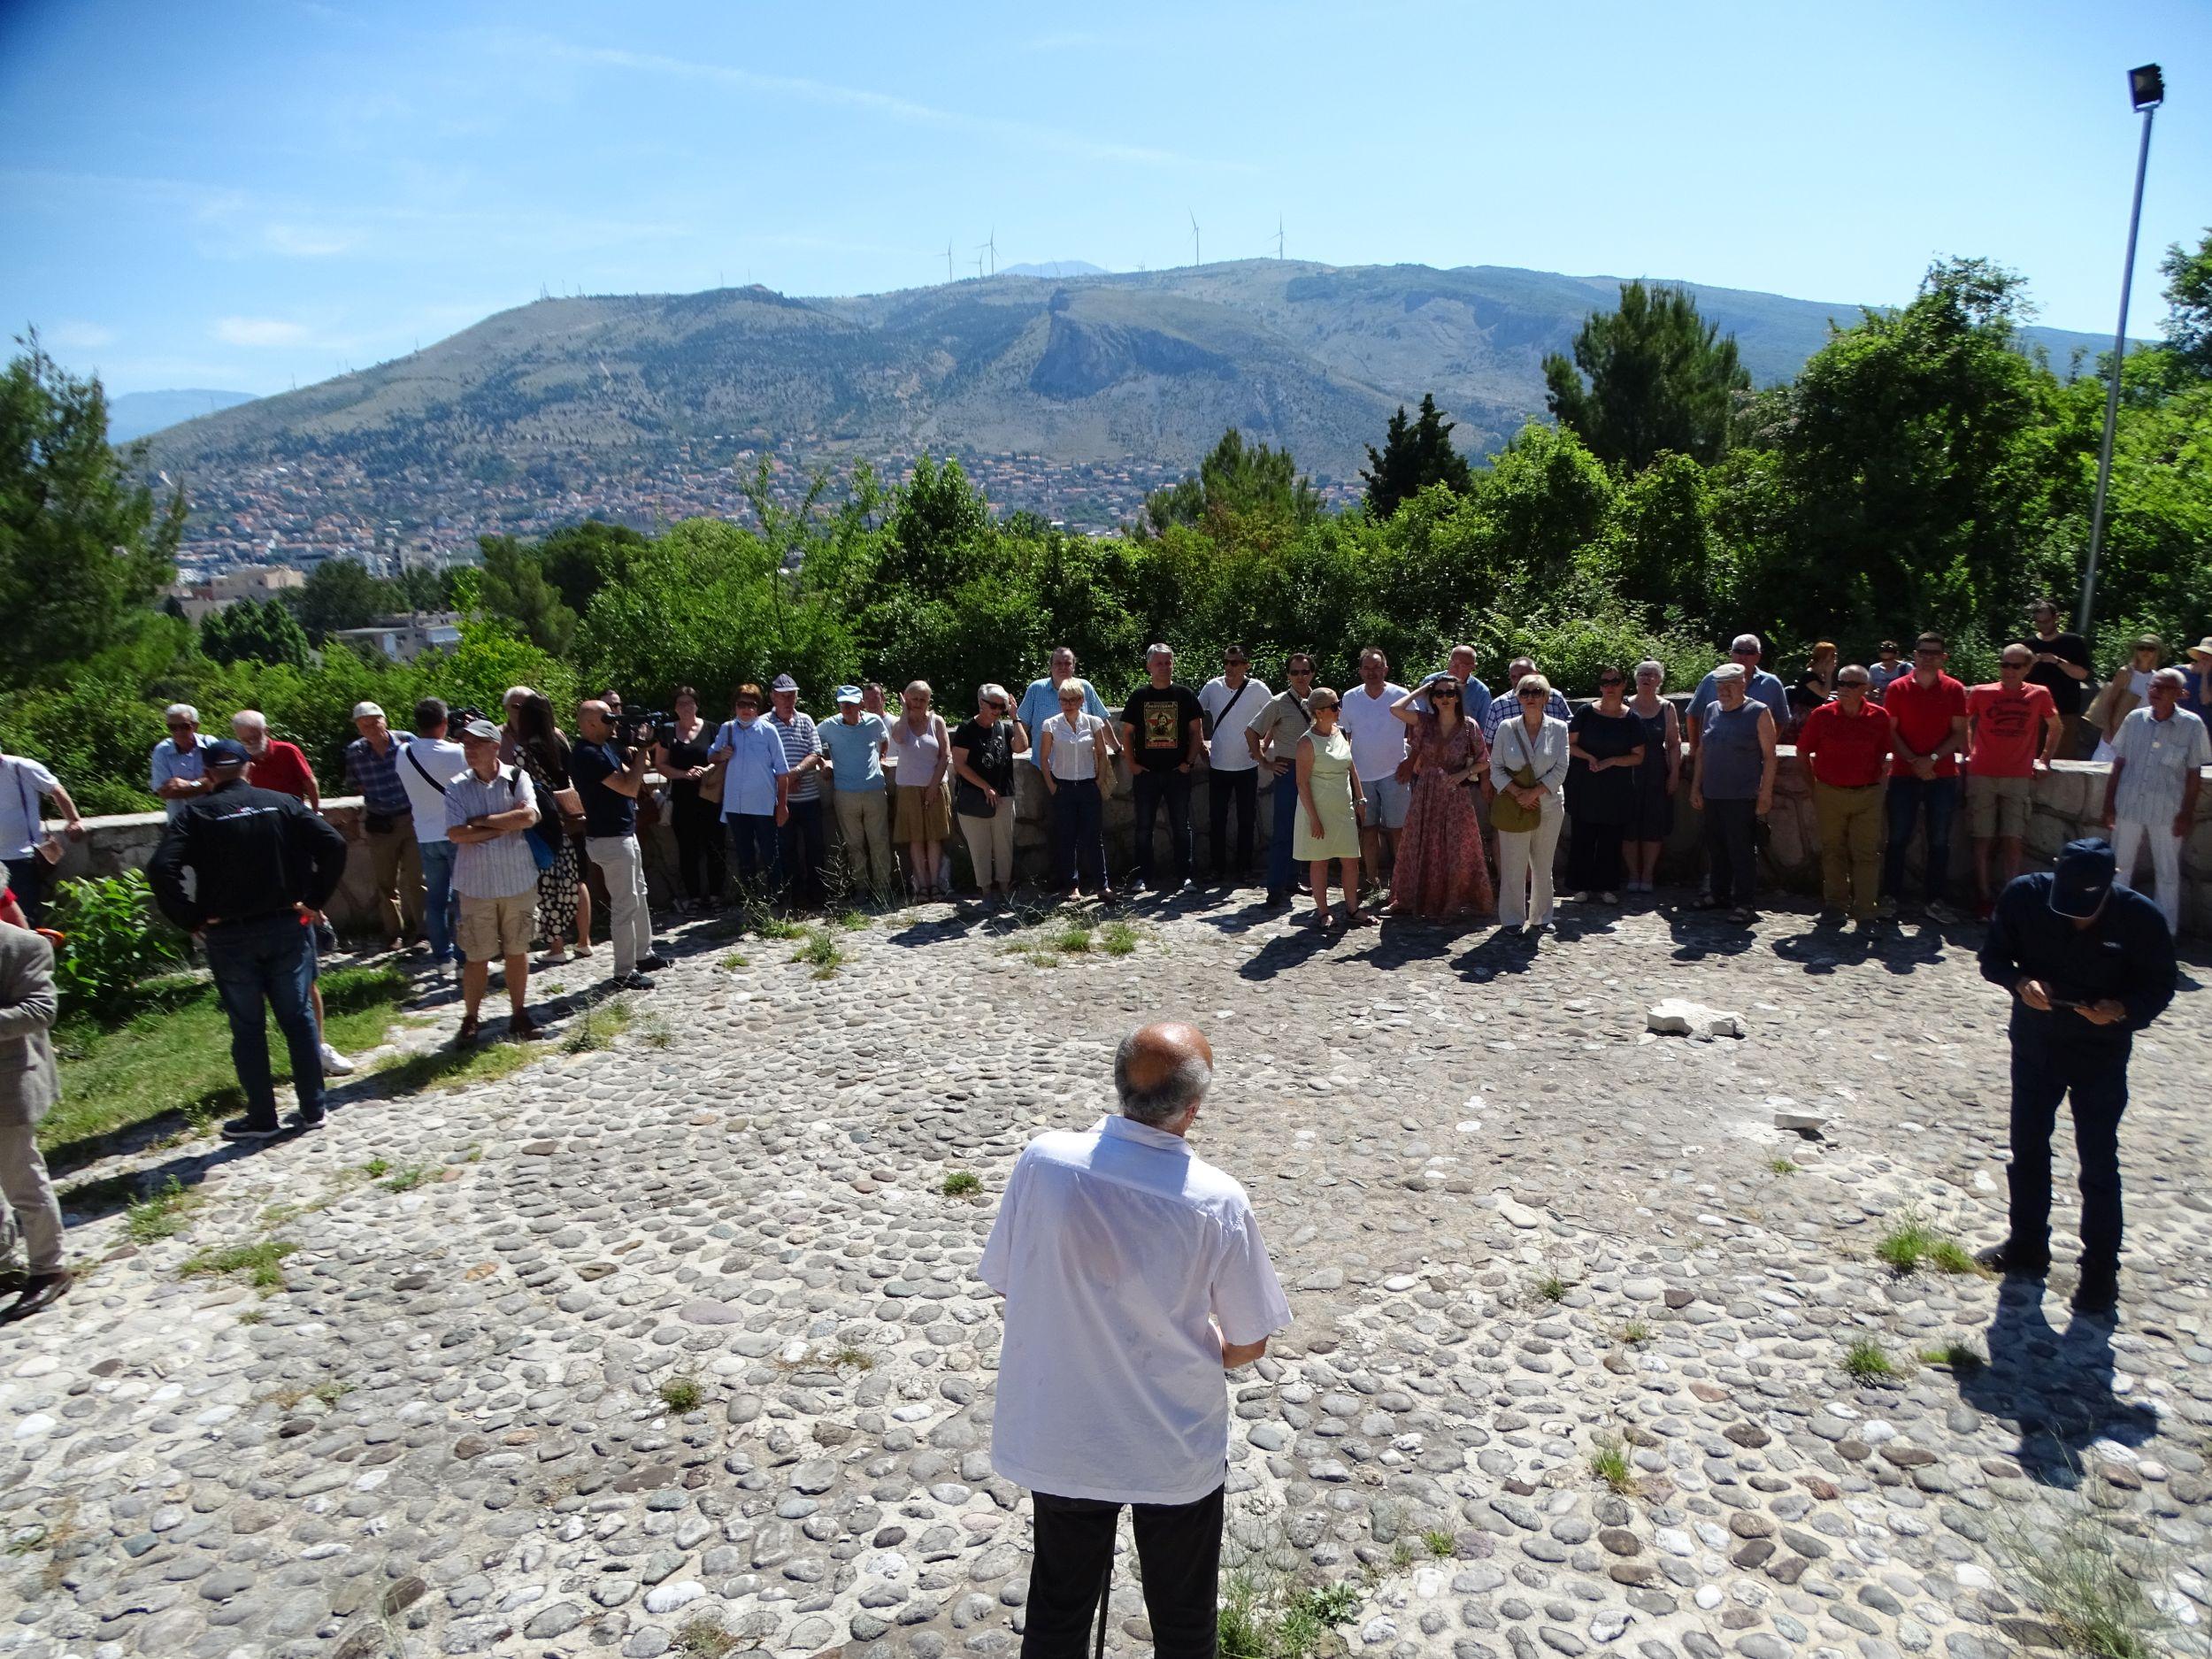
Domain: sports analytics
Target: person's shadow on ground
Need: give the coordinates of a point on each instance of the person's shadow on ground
(2054, 1387)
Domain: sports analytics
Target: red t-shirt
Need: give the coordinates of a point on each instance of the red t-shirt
(2008, 730)
(1845, 751)
(1923, 718)
(281, 768)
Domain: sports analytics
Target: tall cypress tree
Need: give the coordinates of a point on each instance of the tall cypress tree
(1414, 455)
(1660, 377)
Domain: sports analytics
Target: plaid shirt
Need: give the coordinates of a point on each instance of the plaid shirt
(503, 867)
(377, 777)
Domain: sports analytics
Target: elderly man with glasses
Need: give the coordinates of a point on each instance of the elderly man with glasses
(1231, 701)
(1847, 745)
(1744, 652)
(2158, 759)
(1273, 740)
(178, 771)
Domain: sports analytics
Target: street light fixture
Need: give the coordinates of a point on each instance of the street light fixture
(2146, 90)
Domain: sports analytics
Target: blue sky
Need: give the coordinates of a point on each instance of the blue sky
(246, 195)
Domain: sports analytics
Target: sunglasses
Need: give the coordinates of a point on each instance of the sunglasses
(1444, 691)
(1533, 696)
(1614, 680)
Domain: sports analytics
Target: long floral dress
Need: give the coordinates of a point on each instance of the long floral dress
(1441, 870)
(558, 883)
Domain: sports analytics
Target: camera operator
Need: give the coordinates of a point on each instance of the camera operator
(609, 770)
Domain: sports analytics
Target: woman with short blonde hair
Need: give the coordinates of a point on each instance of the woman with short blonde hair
(920, 815)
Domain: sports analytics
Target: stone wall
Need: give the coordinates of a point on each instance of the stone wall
(2068, 803)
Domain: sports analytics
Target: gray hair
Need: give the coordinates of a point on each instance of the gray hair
(1745, 642)
(1158, 649)
(182, 712)
(2173, 677)
(989, 690)
(253, 719)
(1169, 1098)
(514, 695)
(1656, 667)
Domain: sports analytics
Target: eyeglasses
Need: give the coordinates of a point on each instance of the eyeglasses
(1611, 680)
(1927, 650)
(1236, 662)
(1302, 673)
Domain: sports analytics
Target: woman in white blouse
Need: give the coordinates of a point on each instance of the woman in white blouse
(1071, 754)
(1528, 764)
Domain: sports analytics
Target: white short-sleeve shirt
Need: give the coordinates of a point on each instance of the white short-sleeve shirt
(2159, 756)
(1117, 1249)
(1378, 737)
(1228, 712)
(23, 782)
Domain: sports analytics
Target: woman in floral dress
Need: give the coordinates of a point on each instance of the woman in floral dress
(1441, 871)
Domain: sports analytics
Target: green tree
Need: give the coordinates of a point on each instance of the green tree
(1660, 377)
(338, 593)
(515, 589)
(2189, 305)
(939, 523)
(1236, 482)
(579, 559)
(83, 549)
(1414, 456)
(252, 630)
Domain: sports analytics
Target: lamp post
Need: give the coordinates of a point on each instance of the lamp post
(2146, 90)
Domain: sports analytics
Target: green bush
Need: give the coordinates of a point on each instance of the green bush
(112, 941)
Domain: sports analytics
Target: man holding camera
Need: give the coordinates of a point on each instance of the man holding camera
(1135, 1277)
(2089, 964)
(609, 770)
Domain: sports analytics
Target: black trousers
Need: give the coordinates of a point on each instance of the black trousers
(2047, 1068)
(1223, 790)
(1154, 790)
(1178, 1547)
(28, 878)
(1732, 849)
(800, 850)
(1594, 856)
(699, 866)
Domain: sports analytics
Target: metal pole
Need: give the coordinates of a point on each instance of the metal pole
(2112, 397)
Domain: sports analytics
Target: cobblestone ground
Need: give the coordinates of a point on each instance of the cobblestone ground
(682, 1335)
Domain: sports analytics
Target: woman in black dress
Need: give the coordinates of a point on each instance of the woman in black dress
(1605, 747)
(1651, 817)
(563, 902)
(681, 756)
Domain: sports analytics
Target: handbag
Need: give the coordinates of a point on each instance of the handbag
(1506, 814)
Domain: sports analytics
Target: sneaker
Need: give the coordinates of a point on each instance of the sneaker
(654, 964)
(302, 1124)
(2098, 1293)
(334, 1065)
(522, 1028)
(2013, 1262)
(246, 1129)
(633, 981)
(39, 1290)
(470, 1027)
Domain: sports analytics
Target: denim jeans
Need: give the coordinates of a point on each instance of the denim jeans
(1078, 841)
(1282, 872)
(1908, 798)
(800, 850)
(441, 906)
(263, 967)
(1172, 789)
(754, 848)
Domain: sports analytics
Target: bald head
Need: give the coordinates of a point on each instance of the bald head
(1161, 1072)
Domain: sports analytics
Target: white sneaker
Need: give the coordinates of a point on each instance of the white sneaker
(334, 1065)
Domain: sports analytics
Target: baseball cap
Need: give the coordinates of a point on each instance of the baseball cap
(848, 694)
(224, 751)
(783, 682)
(1728, 671)
(483, 729)
(2084, 877)
(368, 712)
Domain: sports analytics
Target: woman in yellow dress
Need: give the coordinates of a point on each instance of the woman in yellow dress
(1333, 810)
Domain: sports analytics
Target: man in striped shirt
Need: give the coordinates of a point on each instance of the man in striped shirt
(487, 808)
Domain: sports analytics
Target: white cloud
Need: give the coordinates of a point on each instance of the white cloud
(81, 336)
(259, 331)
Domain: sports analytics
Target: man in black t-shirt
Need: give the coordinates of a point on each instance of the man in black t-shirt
(1162, 727)
(609, 779)
(2061, 667)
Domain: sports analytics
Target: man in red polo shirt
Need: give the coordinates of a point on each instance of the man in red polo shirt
(276, 764)
(1928, 708)
(1848, 744)
(2006, 722)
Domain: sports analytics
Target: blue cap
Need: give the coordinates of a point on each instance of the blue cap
(2083, 878)
(224, 751)
(848, 694)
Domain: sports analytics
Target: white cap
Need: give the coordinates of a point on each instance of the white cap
(368, 712)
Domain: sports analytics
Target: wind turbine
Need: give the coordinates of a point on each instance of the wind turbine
(1278, 235)
(1194, 236)
(992, 246)
(948, 259)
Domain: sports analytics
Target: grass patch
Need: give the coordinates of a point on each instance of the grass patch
(704, 1637)
(1264, 1616)
(1912, 1244)
(961, 1183)
(653, 1030)
(1609, 1464)
(1118, 939)
(851, 1358)
(451, 1068)
(821, 952)
(2092, 1590)
(680, 1393)
(1782, 1166)
(1635, 1333)
(162, 1213)
(1963, 1360)
(408, 1179)
(1551, 1287)
(851, 921)
(260, 1263)
(733, 960)
(596, 1027)
(1073, 940)
(376, 1167)
(172, 1060)
(1866, 1363)
(762, 923)
(1439, 1543)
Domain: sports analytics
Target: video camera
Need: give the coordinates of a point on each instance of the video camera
(642, 730)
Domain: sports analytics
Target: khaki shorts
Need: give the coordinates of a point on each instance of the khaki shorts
(492, 928)
(1998, 806)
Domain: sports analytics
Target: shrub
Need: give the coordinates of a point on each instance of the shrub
(113, 942)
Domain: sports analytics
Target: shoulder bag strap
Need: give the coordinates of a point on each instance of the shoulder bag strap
(421, 771)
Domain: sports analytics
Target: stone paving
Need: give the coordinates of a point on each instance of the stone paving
(681, 1336)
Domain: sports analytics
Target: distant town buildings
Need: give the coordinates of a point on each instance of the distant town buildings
(403, 639)
(199, 600)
